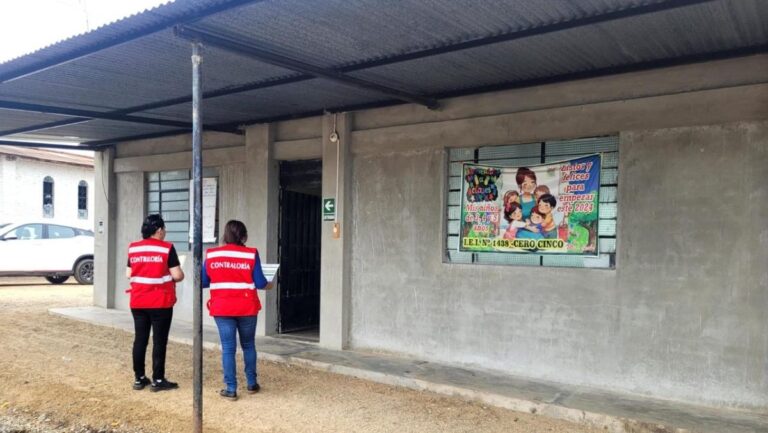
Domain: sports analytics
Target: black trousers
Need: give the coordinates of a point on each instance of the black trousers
(159, 321)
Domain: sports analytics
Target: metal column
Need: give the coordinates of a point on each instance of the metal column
(197, 239)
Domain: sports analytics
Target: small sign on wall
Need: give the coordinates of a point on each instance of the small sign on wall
(329, 209)
(210, 187)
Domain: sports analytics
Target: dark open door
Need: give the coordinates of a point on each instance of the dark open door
(299, 247)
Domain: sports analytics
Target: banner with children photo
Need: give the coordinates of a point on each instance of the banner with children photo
(543, 209)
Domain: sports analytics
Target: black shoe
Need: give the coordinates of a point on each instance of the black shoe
(229, 395)
(163, 385)
(141, 382)
(253, 389)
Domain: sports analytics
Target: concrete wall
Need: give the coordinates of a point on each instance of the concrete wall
(682, 316)
(131, 210)
(21, 189)
(693, 285)
(679, 318)
(226, 160)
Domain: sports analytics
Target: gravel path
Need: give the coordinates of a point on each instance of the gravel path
(63, 376)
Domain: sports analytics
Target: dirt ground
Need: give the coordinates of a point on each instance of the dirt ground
(59, 375)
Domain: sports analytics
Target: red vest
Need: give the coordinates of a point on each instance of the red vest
(230, 269)
(151, 282)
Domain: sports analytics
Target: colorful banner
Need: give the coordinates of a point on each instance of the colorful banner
(544, 209)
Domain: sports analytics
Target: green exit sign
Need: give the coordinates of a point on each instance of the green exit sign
(329, 209)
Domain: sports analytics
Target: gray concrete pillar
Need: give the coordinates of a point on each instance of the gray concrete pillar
(261, 191)
(335, 247)
(105, 225)
(130, 204)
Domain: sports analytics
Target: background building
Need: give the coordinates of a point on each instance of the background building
(41, 183)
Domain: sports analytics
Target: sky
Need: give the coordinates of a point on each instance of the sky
(28, 25)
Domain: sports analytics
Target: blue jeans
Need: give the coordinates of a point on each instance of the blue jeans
(228, 328)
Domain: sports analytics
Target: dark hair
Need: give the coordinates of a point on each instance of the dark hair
(152, 223)
(522, 173)
(548, 198)
(509, 210)
(235, 233)
(535, 210)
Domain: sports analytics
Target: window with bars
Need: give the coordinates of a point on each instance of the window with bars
(48, 197)
(82, 200)
(168, 195)
(533, 154)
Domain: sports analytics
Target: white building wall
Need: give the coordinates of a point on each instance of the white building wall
(21, 190)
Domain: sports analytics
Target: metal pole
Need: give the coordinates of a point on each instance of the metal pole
(197, 238)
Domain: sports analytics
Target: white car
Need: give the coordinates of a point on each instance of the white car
(46, 249)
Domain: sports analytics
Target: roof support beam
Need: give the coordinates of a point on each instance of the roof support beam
(99, 144)
(165, 103)
(48, 109)
(41, 126)
(237, 47)
(45, 145)
(197, 239)
(121, 38)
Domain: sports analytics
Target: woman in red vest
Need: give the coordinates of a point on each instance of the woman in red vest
(154, 270)
(233, 273)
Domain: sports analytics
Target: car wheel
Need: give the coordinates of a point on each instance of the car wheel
(84, 271)
(57, 279)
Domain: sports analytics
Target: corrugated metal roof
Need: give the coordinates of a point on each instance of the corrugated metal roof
(18, 119)
(659, 36)
(337, 34)
(277, 101)
(81, 35)
(148, 18)
(108, 128)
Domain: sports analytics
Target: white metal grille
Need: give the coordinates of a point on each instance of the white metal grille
(168, 195)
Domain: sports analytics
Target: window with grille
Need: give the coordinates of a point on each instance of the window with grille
(533, 154)
(48, 197)
(168, 195)
(82, 200)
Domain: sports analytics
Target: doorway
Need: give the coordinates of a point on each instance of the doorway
(299, 249)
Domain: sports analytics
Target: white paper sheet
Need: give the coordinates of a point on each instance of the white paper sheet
(270, 271)
(210, 185)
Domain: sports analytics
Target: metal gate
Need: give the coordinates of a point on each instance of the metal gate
(299, 246)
